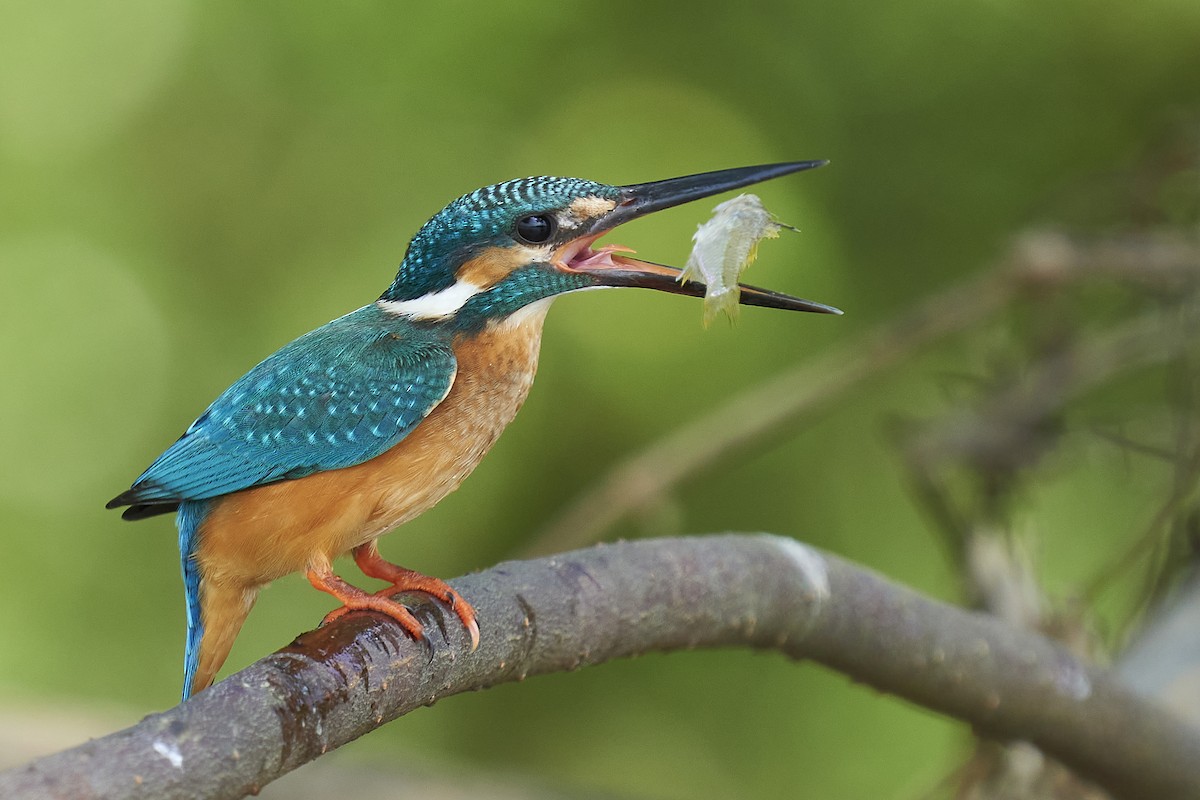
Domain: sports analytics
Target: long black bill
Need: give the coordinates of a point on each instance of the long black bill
(644, 198)
(648, 275)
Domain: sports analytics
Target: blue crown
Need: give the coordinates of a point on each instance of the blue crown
(484, 217)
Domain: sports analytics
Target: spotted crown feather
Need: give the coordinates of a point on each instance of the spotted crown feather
(482, 215)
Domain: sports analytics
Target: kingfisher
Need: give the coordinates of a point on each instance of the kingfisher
(368, 421)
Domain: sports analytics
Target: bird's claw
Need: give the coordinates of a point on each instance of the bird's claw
(383, 602)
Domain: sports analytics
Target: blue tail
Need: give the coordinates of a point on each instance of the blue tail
(191, 515)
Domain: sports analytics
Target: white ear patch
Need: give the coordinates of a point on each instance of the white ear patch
(435, 305)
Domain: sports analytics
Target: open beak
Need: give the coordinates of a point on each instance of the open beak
(609, 267)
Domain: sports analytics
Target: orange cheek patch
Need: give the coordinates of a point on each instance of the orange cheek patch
(496, 263)
(493, 265)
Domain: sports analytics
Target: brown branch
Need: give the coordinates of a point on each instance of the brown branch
(1039, 263)
(758, 414)
(335, 684)
(998, 433)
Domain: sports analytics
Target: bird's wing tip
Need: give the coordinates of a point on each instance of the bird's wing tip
(123, 499)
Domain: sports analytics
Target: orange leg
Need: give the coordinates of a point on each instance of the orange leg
(353, 599)
(407, 580)
(403, 580)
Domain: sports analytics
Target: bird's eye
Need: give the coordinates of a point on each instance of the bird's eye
(536, 228)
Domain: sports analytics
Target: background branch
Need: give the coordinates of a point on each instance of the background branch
(336, 684)
(1038, 263)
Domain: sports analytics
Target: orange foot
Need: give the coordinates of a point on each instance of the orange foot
(403, 580)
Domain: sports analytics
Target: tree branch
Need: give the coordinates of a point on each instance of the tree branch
(335, 684)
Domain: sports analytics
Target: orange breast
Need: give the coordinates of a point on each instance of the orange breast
(256, 535)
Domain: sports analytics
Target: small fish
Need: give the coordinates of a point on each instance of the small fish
(723, 248)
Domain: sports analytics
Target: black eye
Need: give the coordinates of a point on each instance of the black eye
(536, 228)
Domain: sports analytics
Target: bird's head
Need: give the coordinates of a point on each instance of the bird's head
(501, 248)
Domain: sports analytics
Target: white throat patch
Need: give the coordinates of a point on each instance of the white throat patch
(535, 312)
(435, 305)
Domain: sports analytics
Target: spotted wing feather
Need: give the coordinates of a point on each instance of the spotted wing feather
(333, 398)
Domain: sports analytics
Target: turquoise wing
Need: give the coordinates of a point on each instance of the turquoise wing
(333, 398)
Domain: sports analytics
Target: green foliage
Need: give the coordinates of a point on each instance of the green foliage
(189, 186)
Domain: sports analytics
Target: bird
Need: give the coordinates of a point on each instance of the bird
(368, 421)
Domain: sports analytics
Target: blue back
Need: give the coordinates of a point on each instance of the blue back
(335, 397)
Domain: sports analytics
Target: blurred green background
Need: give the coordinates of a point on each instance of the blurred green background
(186, 186)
